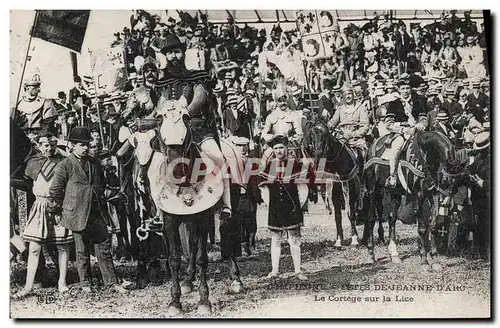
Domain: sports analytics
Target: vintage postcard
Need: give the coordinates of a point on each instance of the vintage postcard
(250, 164)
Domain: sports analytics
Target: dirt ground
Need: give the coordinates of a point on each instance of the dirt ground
(342, 284)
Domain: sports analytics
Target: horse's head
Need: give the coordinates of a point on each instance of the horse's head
(174, 132)
(316, 138)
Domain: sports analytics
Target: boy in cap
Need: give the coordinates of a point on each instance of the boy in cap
(76, 192)
(285, 207)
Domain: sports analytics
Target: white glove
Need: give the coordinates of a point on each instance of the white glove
(420, 127)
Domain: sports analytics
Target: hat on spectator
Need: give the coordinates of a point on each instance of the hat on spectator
(46, 136)
(432, 91)
(232, 100)
(240, 141)
(188, 30)
(218, 88)
(403, 81)
(229, 76)
(250, 92)
(160, 27)
(79, 134)
(389, 85)
(476, 83)
(132, 76)
(482, 141)
(450, 91)
(278, 139)
(172, 42)
(61, 95)
(442, 115)
(336, 88)
(197, 32)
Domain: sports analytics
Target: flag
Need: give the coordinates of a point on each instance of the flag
(109, 70)
(63, 27)
(316, 28)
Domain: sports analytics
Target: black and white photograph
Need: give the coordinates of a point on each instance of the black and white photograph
(260, 164)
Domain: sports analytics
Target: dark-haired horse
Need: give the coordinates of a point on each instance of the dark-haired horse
(337, 168)
(419, 168)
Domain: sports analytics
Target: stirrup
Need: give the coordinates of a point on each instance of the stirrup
(226, 213)
(391, 181)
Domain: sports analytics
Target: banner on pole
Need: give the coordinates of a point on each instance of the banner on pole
(316, 28)
(62, 27)
(109, 70)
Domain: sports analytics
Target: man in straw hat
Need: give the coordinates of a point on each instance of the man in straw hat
(480, 176)
(478, 101)
(285, 200)
(34, 113)
(77, 192)
(442, 124)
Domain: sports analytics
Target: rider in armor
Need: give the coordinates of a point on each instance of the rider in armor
(281, 121)
(34, 113)
(405, 116)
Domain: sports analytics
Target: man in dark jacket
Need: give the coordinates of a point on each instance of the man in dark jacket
(77, 192)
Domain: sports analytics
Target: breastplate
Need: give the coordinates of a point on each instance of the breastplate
(31, 111)
(282, 126)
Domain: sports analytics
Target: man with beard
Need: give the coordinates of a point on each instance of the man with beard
(33, 112)
(192, 90)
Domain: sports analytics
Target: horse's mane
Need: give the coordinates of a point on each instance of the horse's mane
(438, 149)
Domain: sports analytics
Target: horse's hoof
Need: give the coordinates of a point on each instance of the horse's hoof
(338, 244)
(236, 287)
(396, 260)
(204, 308)
(354, 241)
(437, 267)
(141, 283)
(174, 310)
(186, 288)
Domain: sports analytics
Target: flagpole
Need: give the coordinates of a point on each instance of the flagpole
(26, 59)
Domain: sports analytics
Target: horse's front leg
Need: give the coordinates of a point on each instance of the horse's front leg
(187, 283)
(204, 305)
(431, 228)
(423, 223)
(353, 200)
(171, 231)
(393, 251)
(336, 200)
